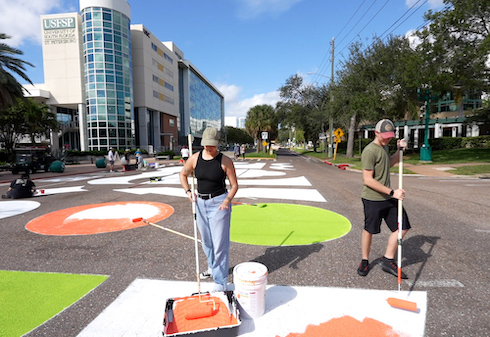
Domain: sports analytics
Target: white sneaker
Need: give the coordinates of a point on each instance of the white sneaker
(205, 275)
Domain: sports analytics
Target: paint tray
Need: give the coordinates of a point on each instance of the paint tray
(224, 321)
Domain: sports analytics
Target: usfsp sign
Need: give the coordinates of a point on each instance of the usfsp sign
(59, 23)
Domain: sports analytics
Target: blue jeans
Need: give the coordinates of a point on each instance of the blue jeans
(214, 226)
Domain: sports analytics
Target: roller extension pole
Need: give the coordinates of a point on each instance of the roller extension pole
(165, 228)
(400, 220)
(194, 216)
(396, 302)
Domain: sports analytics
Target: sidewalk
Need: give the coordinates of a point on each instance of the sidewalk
(439, 170)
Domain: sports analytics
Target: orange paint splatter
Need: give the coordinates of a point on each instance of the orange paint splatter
(347, 326)
(60, 223)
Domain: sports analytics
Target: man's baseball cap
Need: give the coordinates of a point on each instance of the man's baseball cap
(210, 137)
(386, 128)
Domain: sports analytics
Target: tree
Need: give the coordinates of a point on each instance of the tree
(239, 136)
(10, 89)
(25, 116)
(303, 107)
(259, 119)
(455, 48)
(375, 82)
(39, 119)
(11, 126)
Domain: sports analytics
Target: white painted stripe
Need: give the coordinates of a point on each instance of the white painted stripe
(16, 207)
(268, 193)
(69, 178)
(138, 311)
(281, 193)
(437, 284)
(482, 230)
(295, 181)
(171, 191)
(59, 190)
(126, 179)
(253, 173)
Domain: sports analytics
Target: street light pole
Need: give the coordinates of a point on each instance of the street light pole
(330, 115)
(330, 120)
(426, 150)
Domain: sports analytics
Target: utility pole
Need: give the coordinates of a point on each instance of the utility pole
(330, 119)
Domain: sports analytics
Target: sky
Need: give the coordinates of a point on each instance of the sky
(246, 48)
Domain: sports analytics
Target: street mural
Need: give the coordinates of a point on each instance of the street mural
(138, 310)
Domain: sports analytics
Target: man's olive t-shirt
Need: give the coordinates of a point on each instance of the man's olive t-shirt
(377, 158)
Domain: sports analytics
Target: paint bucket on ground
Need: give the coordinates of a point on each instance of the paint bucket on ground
(250, 279)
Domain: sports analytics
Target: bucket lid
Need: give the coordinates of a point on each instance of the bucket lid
(250, 271)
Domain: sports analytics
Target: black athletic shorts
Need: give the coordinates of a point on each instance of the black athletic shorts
(375, 211)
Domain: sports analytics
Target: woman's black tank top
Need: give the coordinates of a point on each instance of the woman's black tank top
(210, 175)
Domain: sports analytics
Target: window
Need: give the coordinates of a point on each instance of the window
(171, 122)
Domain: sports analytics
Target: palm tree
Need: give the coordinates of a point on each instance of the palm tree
(261, 118)
(10, 89)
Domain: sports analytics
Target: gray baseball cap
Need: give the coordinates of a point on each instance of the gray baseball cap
(210, 137)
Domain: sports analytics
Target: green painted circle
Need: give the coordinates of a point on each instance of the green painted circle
(285, 225)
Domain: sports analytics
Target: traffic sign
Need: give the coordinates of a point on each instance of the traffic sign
(265, 135)
(338, 133)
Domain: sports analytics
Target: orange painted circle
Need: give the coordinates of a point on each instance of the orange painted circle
(99, 218)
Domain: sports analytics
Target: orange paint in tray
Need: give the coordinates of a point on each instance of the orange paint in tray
(197, 314)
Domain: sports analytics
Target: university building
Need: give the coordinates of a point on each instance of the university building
(114, 84)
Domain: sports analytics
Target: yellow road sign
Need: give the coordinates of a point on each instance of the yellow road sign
(338, 133)
(337, 140)
(264, 143)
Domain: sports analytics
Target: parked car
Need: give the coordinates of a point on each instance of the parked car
(31, 160)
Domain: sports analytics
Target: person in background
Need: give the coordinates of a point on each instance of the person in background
(236, 151)
(126, 159)
(139, 158)
(110, 156)
(22, 187)
(379, 199)
(243, 151)
(184, 152)
(213, 203)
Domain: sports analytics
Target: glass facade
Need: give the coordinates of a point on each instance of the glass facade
(108, 78)
(205, 105)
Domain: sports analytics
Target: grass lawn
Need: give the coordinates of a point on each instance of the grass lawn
(471, 169)
(28, 299)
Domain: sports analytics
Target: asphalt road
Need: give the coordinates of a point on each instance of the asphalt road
(446, 253)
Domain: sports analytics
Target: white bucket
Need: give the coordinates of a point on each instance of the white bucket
(250, 279)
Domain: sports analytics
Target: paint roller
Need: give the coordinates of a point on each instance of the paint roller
(402, 304)
(396, 302)
(202, 310)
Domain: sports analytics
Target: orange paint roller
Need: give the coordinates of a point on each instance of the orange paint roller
(402, 304)
(200, 311)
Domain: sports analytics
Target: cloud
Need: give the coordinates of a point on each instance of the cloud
(20, 19)
(237, 107)
(250, 9)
